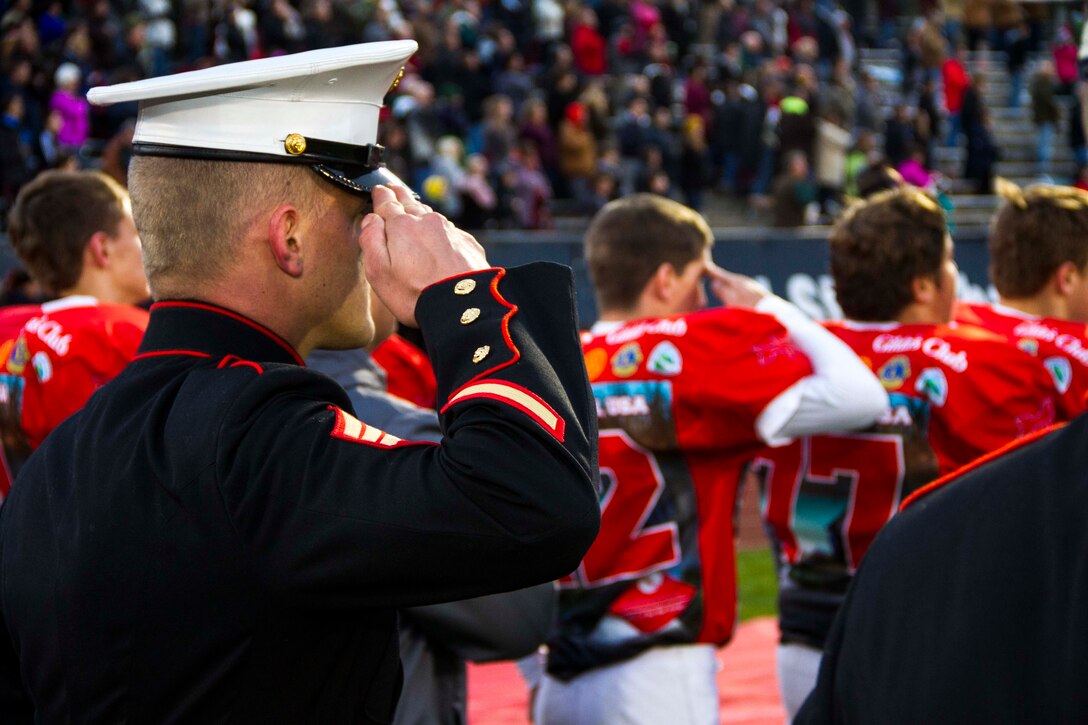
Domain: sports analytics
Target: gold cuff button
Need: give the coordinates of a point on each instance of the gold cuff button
(481, 352)
(464, 287)
(469, 316)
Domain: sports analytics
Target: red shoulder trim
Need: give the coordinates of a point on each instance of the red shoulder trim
(162, 353)
(233, 361)
(240, 318)
(980, 461)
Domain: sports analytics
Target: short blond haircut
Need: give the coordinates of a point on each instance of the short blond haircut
(192, 213)
(630, 238)
(55, 216)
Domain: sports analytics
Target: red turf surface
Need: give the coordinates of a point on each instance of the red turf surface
(749, 692)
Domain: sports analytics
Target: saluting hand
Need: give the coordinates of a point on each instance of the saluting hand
(735, 290)
(408, 246)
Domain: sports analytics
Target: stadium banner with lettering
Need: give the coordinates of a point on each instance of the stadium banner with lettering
(792, 264)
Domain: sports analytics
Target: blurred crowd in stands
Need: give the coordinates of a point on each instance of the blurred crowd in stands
(514, 110)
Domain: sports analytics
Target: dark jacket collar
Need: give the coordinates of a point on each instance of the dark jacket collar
(180, 326)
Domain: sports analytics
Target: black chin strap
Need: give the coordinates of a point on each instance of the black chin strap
(357, 169)
(311, 151)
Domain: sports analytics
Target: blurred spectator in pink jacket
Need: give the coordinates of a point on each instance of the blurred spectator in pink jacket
(69, 102)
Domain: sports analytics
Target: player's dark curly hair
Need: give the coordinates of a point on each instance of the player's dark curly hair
(631, 237)
(882, 244)
(1036, 231)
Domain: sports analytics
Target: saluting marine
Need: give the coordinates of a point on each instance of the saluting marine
(216, 537)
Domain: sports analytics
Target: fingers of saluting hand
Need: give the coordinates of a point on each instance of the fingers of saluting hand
(393, 201)
(717, 274)
(373, 242)
(735, 289)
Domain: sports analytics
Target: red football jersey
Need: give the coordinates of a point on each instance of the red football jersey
(955, 393)
(12, 320)
(64, 354)
(408, 371)
(1061, 345)
(677, 404)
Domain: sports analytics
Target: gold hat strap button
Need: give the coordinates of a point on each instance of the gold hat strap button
(294, 144)
(469, 316)
(481, 352)
(464, 287)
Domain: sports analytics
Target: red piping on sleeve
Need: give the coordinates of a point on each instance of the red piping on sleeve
(464, 275)
(511, 311)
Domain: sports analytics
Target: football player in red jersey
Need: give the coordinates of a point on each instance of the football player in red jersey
(1039, 265)
(408, 370)
(955, 393)
(74, 233)
(685, 397)
(12, 320)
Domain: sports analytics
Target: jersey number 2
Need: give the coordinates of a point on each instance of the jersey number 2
(626, 548)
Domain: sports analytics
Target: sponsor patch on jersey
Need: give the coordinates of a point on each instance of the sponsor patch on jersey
(775, 348)
(19, 357)
(43, 367)
(894, 372)
(1028, 345)
(596, 362)
(896, 415)
(11, 390)
(653, 602)
(621, 406)
(641, 408)
(627, 360)
(933, 385)
(665, 359)
(1062, 372)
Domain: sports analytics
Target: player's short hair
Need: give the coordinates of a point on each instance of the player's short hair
(630, 238)
(1034, 232)
(879, 247)
(878, 178)
(192, 213)
(53, 218)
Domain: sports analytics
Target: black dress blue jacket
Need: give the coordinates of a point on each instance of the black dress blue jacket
(216, 538)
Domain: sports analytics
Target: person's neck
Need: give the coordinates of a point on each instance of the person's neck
(919, 315)
(638, 312)
(1038, 306)
(94, 286)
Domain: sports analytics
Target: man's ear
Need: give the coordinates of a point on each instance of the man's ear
(1065, 278)
(285, 239)
(663, 282)
(97, 252)
(924, 289)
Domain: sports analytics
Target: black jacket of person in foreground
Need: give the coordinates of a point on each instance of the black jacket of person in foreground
(972, 604)
(215, 538)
